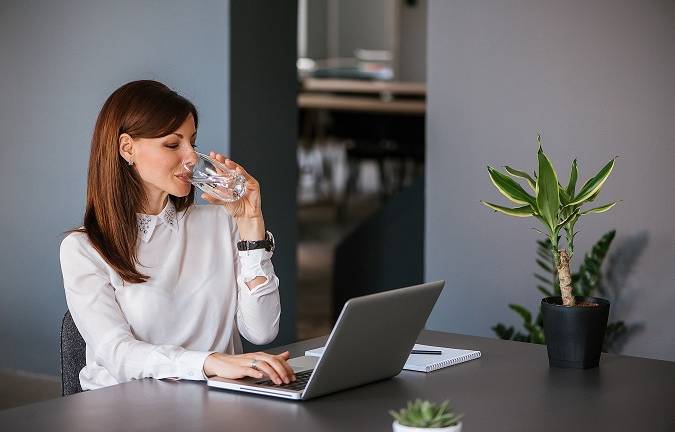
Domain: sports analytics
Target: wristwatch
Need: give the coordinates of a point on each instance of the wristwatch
(267, 243)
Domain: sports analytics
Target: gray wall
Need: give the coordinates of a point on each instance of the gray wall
(317, 29)
(60, 60)
(597, 79)
(364, 25)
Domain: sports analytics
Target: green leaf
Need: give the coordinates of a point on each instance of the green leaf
(590, 270)
(593, 197)
(600, 209)
(522, 337)
(524, 211)
(503, 332)
(592, 186)
(542, 279)
(536, 333)
(524, 313)
(544, 250)
(509, 188)
(545, 265)
(427, 414)
(548, 198)
(414, 416)
(444, 406)
(522, 174)
(564, 198)
(574, 173)
(396, 416)
(567, 220)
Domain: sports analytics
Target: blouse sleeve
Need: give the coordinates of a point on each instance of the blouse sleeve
(97, 315)
(258, 309)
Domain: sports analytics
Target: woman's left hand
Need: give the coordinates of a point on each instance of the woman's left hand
(247, 210)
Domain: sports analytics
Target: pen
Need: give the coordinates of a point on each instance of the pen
(425, 352)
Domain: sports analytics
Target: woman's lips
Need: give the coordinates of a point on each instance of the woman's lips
(183, 178)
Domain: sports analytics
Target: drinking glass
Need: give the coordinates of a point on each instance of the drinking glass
(214, 178)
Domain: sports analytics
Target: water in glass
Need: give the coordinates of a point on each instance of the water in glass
(214, 178)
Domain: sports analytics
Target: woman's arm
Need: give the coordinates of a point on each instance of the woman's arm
(252, 229)
(258, 305)
(97, 315)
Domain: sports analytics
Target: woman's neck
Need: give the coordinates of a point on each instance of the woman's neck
(155, 204)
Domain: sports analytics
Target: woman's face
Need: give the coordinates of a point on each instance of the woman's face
(159, 161)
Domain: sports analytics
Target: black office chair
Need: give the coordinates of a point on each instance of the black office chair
(73, 356)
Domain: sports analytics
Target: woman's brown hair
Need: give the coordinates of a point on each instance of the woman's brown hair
(142, 109)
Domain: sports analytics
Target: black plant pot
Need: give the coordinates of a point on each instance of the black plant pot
(574, 335)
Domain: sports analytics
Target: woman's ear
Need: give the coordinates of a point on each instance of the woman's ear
(126, 148)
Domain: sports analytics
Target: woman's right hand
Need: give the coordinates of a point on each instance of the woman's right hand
(239, 366)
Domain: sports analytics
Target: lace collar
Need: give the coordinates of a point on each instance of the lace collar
(148, 223)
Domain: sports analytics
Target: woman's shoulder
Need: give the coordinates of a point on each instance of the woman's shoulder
(75, 238)
(78, 257)
(77, 241)
(76, 248)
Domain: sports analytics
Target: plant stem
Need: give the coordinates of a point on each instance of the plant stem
(563, 266)
(554, 250)
(569, 232)
(553, 245)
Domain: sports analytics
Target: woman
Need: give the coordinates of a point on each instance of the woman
(155, 284)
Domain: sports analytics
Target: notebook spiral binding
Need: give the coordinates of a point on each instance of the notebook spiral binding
(453, 361)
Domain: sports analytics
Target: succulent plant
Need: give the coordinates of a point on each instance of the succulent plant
(558, 208)
(425, 414)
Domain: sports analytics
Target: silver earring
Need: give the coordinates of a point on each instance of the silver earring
(130, 162)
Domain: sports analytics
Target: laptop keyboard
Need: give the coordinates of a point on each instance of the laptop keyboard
(301, 379)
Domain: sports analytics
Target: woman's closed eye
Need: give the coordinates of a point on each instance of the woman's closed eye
(175, 146)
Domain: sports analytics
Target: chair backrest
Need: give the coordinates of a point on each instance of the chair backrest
(73, 356)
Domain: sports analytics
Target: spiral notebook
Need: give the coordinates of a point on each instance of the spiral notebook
(426, 362)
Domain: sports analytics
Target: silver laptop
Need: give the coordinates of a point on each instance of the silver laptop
(371, 341)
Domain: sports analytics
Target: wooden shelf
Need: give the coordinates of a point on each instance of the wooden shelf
(357, 86)
(363, 104)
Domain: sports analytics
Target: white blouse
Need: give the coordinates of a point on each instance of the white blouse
(195, 303)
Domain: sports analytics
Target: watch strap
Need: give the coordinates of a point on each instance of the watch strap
(267, 243)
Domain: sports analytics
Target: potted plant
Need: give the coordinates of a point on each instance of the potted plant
(574, 327)
(587, 281)
(426, 415)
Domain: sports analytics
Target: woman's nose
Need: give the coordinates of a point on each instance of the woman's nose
(189, 156)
